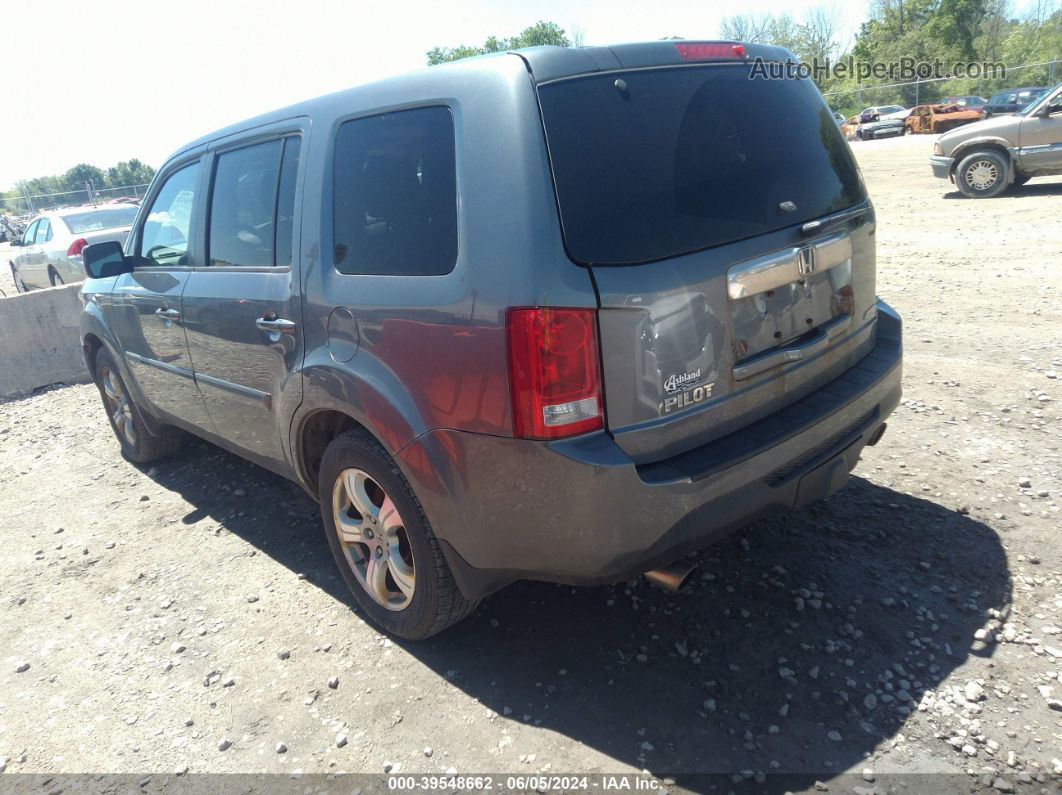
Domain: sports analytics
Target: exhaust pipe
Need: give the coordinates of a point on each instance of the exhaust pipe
(671, 577)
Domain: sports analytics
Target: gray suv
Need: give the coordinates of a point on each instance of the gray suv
(557, 314)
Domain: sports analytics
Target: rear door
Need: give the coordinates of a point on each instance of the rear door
(242, 311)
(694, 193)
(145, 309)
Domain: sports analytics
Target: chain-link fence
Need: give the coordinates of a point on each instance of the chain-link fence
(31, 204)
(920, 92)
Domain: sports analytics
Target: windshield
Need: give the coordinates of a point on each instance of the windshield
(1044, 95)
(92, 220)
(659, 162)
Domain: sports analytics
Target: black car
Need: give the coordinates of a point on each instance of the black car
(1011, 100)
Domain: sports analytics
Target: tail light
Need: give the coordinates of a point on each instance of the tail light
(554, 372)
(76, 247)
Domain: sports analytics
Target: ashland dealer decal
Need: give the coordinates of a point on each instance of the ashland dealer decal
(679, 391)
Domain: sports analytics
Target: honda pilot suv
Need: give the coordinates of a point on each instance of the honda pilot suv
(555, 314)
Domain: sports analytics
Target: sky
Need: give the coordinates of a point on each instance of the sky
(99, 81)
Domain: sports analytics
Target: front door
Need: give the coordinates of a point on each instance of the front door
(146, 304)
(1040, 139)
(242, 311)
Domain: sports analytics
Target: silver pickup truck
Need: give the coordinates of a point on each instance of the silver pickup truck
(986, 157)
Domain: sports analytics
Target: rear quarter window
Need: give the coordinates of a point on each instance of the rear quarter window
(395, 194)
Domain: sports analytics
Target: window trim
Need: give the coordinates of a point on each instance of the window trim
(215, 155)
(328, 206)
(158, 183)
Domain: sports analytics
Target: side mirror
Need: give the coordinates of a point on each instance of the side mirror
(103, 260)
(1050, 110)
(16, 242)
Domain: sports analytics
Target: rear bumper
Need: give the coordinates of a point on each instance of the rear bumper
(941, 166)
(581, 512)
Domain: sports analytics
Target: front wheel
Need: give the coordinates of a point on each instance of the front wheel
(382, 542)
(982, 175)
(139, 445)
(20, 286)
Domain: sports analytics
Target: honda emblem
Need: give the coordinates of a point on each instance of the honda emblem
(806, 261)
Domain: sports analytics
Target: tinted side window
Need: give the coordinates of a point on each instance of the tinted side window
(395, 202)
(241, 206)
(289, 169)
(164, 239)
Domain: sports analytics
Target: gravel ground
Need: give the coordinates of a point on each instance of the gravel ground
(188, 617)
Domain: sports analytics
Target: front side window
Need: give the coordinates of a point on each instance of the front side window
(395, 194)
(28, 237)
(242, 206)
(164, 238)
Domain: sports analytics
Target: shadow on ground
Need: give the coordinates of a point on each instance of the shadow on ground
(693, 683)
(1029, 190)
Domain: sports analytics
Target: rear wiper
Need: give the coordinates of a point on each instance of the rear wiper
(821, 224)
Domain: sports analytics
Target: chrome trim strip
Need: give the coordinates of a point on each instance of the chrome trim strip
(822, 340)
(255, 394)
(780, 268)
(165, 367)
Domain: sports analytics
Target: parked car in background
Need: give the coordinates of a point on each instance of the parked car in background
(939, 118)
(1012, 100)
(871, 114)
(970, 102)
(983, 159)
(880, 127)
(615, 367)
(837, 117)
(49, 251)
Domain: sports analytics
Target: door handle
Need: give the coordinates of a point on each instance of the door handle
(168, 314)
(276, 325)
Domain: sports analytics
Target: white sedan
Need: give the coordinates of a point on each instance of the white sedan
(49, 252)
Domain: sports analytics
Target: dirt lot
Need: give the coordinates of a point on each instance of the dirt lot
(188, 617)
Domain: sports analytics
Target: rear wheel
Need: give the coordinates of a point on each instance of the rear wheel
(139, 445)
(54, 277)
(382, 542)
(982, 175)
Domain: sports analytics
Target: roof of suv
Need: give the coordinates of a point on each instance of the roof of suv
(544, 63)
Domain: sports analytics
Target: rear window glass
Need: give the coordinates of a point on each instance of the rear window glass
(242, 204)
(79, 223)
(395, 210)
(655, 163)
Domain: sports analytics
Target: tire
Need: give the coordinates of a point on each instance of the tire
(55, 278)
(982, 175)
(403, 543)
(20, 286)
(139, 445)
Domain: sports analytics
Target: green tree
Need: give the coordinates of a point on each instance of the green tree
(76, 177)
(128, 172)
(535, 35)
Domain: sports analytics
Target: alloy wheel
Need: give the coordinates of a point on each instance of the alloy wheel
(118, 404)
(373, 538)
(981, 175)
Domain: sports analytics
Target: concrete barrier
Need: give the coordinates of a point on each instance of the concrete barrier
(39, 340)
